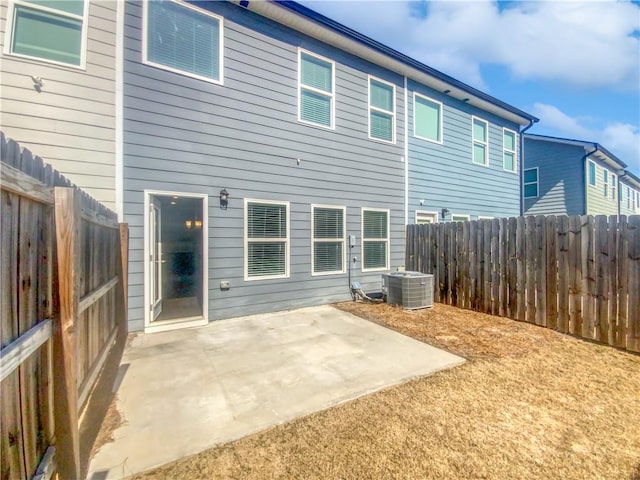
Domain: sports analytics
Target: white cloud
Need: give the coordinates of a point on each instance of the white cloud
(622, 139)
(590, 44)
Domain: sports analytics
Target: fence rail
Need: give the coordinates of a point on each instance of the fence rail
(62, 304)
(578, 275)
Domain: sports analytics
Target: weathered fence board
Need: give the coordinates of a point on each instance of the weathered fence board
(578, 275)
(38, 303)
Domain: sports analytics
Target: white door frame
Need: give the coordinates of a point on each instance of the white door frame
(150, 326)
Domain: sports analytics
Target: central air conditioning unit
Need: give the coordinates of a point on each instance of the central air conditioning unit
(410, 290)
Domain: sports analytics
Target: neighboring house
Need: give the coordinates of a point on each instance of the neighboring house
(629, 194)
(265, 158)
(58, 86)
(464, 159)
(574, 177)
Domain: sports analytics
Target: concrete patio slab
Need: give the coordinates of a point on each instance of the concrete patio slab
(187, 390)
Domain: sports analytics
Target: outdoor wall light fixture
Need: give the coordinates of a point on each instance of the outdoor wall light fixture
(444, 212)
(224, 199)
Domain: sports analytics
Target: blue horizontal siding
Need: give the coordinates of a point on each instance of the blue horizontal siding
(444, 176)
(561, 178)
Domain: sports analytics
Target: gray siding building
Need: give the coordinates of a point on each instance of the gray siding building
(58, 87)
(575, 177)
(267, 152)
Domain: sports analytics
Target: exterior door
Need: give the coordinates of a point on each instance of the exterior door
(155, 258)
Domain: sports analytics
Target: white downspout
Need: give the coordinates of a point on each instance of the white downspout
(119, 114)
(406, 153)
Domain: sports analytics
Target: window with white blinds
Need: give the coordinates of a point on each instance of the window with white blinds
(382, 110)
(316, 90)
(375, 239)
(53, 30)
(184, 39)
(266, 239)
(328, 239)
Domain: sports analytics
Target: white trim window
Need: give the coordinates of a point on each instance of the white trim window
(427, 118)
(629, 192)
(266, 238)
(509, 156)
(592, 174)
(460, 217)
(480, 143)
(614, 185)
(424, 217)
(375, 239)
(382, 110)
(605, 182)
(50, 31)
(531, 182)
(328, 238)
(316, 90)
(182, 38)
(485, 217)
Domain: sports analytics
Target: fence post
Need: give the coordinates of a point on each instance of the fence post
(124, 270)
(67, 222)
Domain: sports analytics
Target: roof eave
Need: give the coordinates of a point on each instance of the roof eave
(602, 153)
(311, 23)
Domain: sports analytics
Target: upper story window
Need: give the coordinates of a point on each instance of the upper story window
(316, 90)
(509, 150)
(382, 110)
(592, 173)
(614, 184)
(54, 31)
(531, 182)
(605, 182)
(328, 239)
(460, 217)
(628, 197)
(266, 239)
(375, 239)
(480, 141)
(184, 39)
(427, 118)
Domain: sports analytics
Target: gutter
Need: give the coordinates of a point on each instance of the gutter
(532, 122)
(596, 147)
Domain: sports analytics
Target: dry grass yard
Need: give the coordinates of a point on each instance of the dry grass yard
(530, 403)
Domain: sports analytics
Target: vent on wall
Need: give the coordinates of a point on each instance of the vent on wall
(411, 290)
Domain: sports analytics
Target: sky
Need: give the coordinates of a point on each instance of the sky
(573, 64)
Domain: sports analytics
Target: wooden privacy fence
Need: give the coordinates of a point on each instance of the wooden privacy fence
(62, 306)
(578, 275)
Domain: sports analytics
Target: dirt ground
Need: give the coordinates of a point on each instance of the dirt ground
(530, 403)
